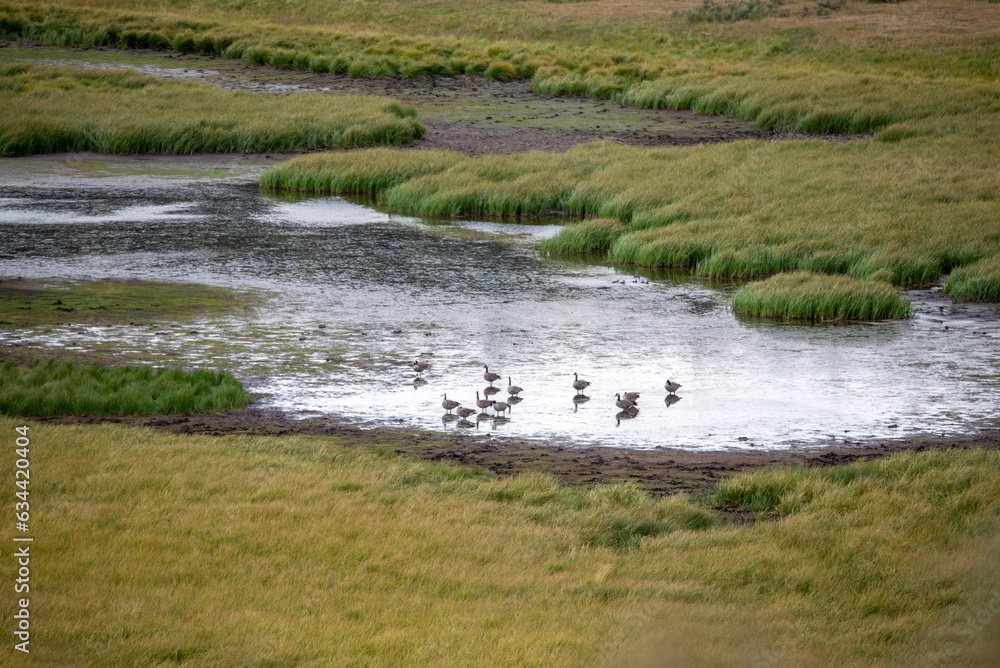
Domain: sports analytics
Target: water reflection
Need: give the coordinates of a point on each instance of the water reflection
(361, 295)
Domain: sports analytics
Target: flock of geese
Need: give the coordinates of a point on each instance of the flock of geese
(627, 402)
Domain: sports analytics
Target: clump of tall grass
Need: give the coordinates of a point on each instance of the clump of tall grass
(587, 236)
(979, 282)
(803, 295)
(51, 109)
(372, 171)
(740, 10)
(51, 388)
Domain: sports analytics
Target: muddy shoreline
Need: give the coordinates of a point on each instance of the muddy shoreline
(660, 471)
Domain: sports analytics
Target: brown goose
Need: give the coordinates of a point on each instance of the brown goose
(419, 367)
(512, 389)
(464, 412)
(489, 375)
(671, 387)
(448, 404)
(482, 403)
(500, 406)
(579, 385)
(623, 404)
(631, 396)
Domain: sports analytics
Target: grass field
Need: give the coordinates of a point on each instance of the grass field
(50, 388)
(52, 109)
(159, 549)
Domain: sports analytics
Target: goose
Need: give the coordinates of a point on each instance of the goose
(579, 385)
(500, 406)
(631, 396)
(448, 404)
(623, 404)
(671, 387)
(419, 367)
(489, 375)
(512, 389)
(482, 403)
(464, 412)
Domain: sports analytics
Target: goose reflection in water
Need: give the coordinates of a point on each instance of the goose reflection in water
(671, 399)
(579, 399)
(627, 414)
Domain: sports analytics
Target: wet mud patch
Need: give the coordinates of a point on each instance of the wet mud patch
(41, 302)
(467, 114)
(659, 471)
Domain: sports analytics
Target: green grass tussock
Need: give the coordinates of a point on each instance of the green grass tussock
(979, 282)
(52, 109)
(50, 388)
(371, 555)
(805, 296)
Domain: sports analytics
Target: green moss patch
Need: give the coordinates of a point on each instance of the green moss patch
(26, 303)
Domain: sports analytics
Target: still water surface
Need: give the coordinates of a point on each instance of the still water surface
(358, 292)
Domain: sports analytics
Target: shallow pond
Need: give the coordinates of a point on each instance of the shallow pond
(357, 293)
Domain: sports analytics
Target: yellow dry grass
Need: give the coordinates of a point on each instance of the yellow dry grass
(155, 549)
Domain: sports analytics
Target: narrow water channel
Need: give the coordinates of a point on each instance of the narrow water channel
(357, 293)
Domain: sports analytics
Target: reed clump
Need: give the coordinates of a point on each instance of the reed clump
(812, 297)
(978, 282)
(50, 388)
(52, 109)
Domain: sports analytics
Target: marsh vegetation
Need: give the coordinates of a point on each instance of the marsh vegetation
(53, 109)
(50, 389)
(871, 563)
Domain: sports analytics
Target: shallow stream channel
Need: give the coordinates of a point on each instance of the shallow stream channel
(352, 295)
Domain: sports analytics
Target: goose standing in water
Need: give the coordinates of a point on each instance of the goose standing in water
(623, 404)
(482, 403)
(448, 404)
(671, 387)
(489, 375)
(579, 385)
(512, 389)
(500, 406)
(464, 412)
(419, 367)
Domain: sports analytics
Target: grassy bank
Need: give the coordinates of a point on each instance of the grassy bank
(868, 210)
(50, 388)
(52, 109)
(160, 548)
(42, 302)
(816, 298)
